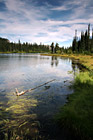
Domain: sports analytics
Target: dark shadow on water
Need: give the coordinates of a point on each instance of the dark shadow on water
(76, 65)
(54, 61)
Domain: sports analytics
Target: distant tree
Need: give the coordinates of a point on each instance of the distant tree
(87, 39)
(52, 47)
(19, 46)
(74, 45)
(91, 46)
(5, 45)
(82, 44)
(56, 47)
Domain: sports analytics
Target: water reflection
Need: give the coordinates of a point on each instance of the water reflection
(54, 61)
(31, 116)
(75, 68)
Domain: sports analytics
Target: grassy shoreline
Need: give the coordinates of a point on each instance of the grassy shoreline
(76, 117)
(84, 60)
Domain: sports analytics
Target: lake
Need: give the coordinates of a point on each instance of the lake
(31, 115)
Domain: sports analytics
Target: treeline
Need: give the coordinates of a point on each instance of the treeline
(7, 46)
(59, 50)
(84, 44)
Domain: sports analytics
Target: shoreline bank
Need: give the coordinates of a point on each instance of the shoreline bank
(84, 60)
(76, 116)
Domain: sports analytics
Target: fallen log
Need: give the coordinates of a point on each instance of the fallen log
(23, 92)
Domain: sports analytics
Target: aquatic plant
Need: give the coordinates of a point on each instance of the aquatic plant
(17, 120)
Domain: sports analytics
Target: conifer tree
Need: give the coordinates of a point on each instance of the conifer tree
(82, 46)
(52, 47)
(56, 47)
(88, 39)
(91, 46)
(75, 43)
(85, 44)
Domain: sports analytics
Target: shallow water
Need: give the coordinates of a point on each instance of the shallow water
(30, 116)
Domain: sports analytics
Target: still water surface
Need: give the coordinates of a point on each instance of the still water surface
(30, 116)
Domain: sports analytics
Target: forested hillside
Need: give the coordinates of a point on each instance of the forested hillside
(7, 46)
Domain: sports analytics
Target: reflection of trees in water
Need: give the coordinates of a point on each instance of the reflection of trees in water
(75, 66)
(54, 61)
(66, 60)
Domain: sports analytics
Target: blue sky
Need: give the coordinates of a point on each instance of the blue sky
(44, 21)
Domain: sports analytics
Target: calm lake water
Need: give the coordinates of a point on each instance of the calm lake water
(30, 116)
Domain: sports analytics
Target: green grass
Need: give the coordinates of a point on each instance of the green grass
(84, 60)
(77, 115)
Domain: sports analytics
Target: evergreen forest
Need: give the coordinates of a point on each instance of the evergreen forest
(82, 45)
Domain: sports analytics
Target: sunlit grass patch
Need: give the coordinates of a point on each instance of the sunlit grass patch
(70, 72)
(77, 115)
(83, 78)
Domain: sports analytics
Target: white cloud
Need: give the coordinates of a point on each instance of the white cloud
(26, 21)
(69, 5)
(61, 8)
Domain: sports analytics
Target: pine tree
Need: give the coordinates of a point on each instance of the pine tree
(86, 40)
(82, 46)
(56, 47)
(52, 47)
(75, 43)
(91, 46)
